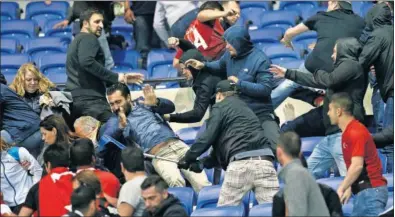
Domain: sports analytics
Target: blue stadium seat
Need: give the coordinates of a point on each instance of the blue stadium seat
(53, 65)
(64, 33)
(390, 181)
(253, 11)
(278, 53)
(261, 210)
(282, 19)
(121, 27)
(308, 144)
(126, 60)
(365, 8)
(10, 63)
(188, 135)
(332, 182)
(208, 198)
(260, 4)
(293, 64)
(18, 29)
(41, 12)
(187, 197)
(159, 56)
(165, 71)
(361, 7)
(9, 10)
(306, 38)
(268, 35)
(221, 211)
(48, 45)
(8, 46)
(210, 175)
(298, 6)
(306, 14)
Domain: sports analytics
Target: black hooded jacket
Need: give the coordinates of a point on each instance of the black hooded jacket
(379, 48)
(204, 85)
(347, 76)
(170, 207)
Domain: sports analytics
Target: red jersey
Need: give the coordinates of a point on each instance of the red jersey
(109, 183)
(208, 40)
(357, 141)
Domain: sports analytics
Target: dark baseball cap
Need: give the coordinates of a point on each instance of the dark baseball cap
(346, 5)
(225, 86)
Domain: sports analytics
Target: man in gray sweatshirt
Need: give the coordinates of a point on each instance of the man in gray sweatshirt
(302, 195)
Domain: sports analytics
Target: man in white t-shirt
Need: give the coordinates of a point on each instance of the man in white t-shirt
(130, 202)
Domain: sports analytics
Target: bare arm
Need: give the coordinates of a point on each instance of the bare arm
(353, 172)
(125, 209)
(294, 31)
(207, 15)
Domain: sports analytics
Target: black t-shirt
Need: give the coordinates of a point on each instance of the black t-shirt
(143, 7)
(32, 200)
(331, 26)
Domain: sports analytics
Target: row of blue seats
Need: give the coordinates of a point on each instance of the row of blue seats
(208, 198)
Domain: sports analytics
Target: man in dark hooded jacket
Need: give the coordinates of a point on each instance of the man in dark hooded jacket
(379, 52)
(247, 67)
(347, 76)
(203, 85)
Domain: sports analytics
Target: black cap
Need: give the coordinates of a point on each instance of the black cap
(346, 5)
(225, 86)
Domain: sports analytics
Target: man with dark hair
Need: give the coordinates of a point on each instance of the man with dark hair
(87, 77)
(83, 202)
(378, 51)
(158, 201)
(347, 76)
(239, 147)
(301, 193)
(130, 202)
(50, 196)
(248, 68)
(142, 121)
(205, 32)
(364, 178)
(82, 156)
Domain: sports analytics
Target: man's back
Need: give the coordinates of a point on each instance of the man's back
(240, 128)
(131, 194)
(85, 67)
(302, 194)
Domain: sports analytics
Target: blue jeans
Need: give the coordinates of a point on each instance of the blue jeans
(327, 152)
(389, 122)
(33, 143)
(109, 62)
(370, 202)
(378, 109)
(179, 28)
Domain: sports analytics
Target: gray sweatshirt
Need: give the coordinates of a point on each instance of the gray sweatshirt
(302, 195)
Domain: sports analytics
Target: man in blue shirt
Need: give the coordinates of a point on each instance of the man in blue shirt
(142, 121)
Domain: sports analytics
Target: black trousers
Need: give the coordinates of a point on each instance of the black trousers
(308, 124)
(145, 35)
(97, 108)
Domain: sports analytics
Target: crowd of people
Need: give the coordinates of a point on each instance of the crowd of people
(52, 163)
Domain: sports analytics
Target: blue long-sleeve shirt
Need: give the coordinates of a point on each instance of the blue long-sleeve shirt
(250, 66)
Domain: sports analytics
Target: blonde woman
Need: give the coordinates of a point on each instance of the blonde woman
(31, 84)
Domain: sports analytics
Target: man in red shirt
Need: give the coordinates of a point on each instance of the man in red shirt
(363, 178)
(82, 155)
(206, 31)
